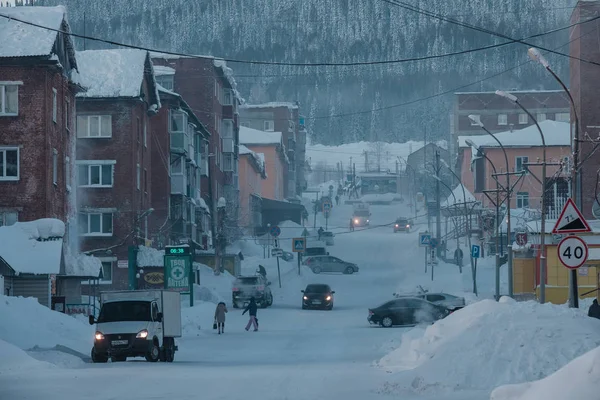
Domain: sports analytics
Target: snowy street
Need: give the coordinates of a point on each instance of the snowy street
(296, 353)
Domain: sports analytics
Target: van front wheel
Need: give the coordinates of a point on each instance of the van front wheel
(153, 353)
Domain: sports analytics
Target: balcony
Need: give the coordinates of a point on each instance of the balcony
(178, 184)
(179, 142)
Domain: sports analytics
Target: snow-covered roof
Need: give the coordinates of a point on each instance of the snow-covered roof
(272, 104)
(161, 70)
(259, 160)
(255, 136)
(22, 40)
(555, 134)
(514, 92)
(112, 73)
(458, 197)
(82, 265)
(33, 247)
(150, 257)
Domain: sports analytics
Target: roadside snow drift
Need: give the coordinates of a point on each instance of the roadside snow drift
(27, 324)
(580, 379)
(14, 359)
(509, 342)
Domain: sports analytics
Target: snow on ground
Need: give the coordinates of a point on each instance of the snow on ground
(32, 324)
(14, 359)
(580, 379)
(488, 344)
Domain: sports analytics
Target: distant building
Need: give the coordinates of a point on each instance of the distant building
(114, 146)
(252, 175)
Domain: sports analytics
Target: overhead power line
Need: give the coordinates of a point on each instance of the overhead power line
(327, 64)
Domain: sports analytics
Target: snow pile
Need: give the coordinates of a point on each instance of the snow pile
(13, 359)
(27, 246)
(378, 198)
(213, 288)
(580, 379)
(509, 342)
(150, 257)
(81, 265)
(458, 197)
(197, 320)
(31, 324)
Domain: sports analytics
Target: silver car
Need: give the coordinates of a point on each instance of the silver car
(449, 301)
(327, 237)
(320, 264)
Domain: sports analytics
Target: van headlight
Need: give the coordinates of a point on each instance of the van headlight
(99, 336)
(143, 334)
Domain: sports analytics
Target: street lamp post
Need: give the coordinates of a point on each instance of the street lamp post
(535, 55)
(476, 120)
(471, 144)
(515, 100)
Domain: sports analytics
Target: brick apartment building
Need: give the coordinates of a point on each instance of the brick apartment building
(284, 118)
(37, 99)
(114, 187)
(252, 175)
(208, 87)
(585, 86)
(178, 138)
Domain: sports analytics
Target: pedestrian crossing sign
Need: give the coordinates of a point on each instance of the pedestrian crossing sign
(424, 239)
(299, 245)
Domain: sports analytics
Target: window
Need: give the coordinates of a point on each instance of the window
(106, 272)
(227, 131)
(54, 104)
(145, 134)
(476, 117)
(68, 173)
(541, 117)
(522, 199)
(520, 164)
(8, 218)
(145, 181)
(566, 165)
(204, 157)
(139, 130)
(138, 177)
(269, 126)
(227, 97)
(523, 119)
(178, 121)
(67, 122)
(97, 173)
(96, 224)
(9, 164)
(228, 162)
(94, 126)
(502, 119)
(217, 156)
(9, 99)
(165, 81)
(54, 166)
(563, 117)
(177, 165)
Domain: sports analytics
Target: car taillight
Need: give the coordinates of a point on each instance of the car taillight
(309, 261)
(261, 288)
(235, 289)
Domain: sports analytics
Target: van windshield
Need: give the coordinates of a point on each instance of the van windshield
(361, 213)
(125, 311)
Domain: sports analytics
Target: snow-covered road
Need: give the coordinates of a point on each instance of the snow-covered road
(296, 354)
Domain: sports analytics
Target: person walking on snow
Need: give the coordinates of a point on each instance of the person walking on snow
(251, 310)
(351, 224)
(594, 310)
(320, 232)
(220, 312)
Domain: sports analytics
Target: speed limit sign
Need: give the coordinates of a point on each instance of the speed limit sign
(572, 252)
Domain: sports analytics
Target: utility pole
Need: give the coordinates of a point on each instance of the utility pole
(438, 220)
(315, 210)
(366, 160)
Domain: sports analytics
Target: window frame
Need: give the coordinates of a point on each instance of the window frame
(104, 281)
(3, 85)
(88, 124)
(3, 216)
(556, 117)
(138, 176)
(228, 156)
(67, 106)
(96, 163)
(502, 116)
(3, 150)
(522, 169)
(523, 119)
(96, 234)
(271, 124)
(521, 198)
(227, 97)
(54, 105)
(55, 167)
(539, 117)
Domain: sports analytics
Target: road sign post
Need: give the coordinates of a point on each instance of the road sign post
(179, 271)
(299, 246)
(475, 251)
(277, 252)
(572, 252)
(424, 239)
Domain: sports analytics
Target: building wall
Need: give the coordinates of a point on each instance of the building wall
(273, 185)
(528, 183)
(250, 184)
(584, 84)
(34, 195)
(158, 135)
(126, 202)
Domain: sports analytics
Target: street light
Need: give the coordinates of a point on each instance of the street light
(515, 100)
(471, 144)
(477, 121)
(535, 55)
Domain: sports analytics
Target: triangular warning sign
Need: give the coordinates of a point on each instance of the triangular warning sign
(571, 220)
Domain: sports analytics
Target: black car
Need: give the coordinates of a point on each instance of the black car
(402, 225)
(406, 311)
(317, 296)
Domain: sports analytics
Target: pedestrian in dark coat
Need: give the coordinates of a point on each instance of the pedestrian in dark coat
(251, 309)
(594, 310)
(220, 312)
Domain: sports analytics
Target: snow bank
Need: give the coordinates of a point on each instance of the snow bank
(509, 342)
(150, 257)
(579, 379)
(197, 320)
(81, 265)
(31, 324)
(13, 359)
(376, 198)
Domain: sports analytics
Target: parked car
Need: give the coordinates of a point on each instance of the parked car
(449, 301)
(327, 237)
(245, 287)
(320, 264)
(317, 296)
(316, 249)
(402, 225)
(406, 311)
(287, 256)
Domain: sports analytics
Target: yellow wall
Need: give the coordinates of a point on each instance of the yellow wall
(524, 275)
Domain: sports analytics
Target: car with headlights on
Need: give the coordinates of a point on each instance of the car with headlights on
(402, 225)
(319, 296)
